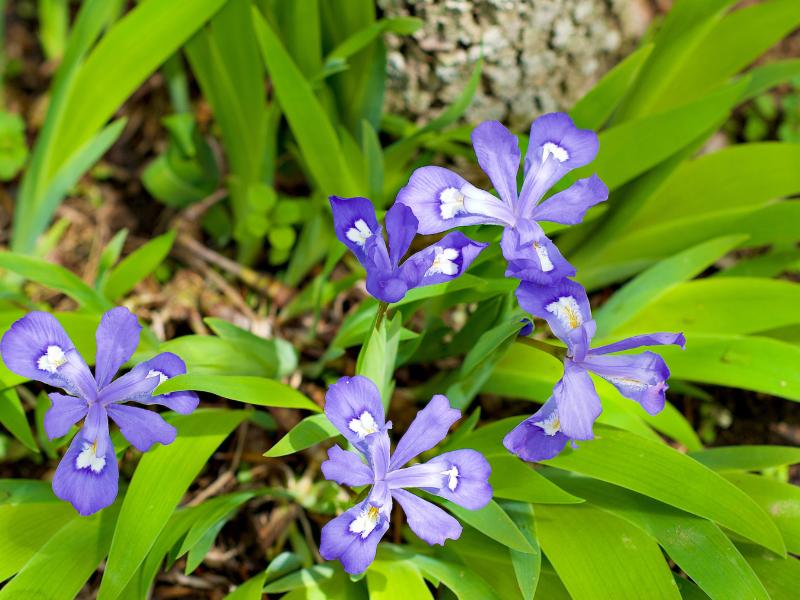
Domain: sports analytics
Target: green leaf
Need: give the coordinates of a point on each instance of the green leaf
(12, 417)
(13, 149)
(491, 520)
(660, 472)
(696, 545)
(765, 77)
(64, 564)
(598, 555)
(378, 356)
(251, 390)
(308, 432)
(515, 480)
(211, 355)
(651, 284)
(526, 566)
(780, 500)
(27, 527)
(250, 589)
(598, 104)
(307, 119)
(217, 510)
(465, 584)
(160, 481)
(137, 265)
(780, 576)
(276, 352)
(395, 580)
(55, 277)
(747, 458)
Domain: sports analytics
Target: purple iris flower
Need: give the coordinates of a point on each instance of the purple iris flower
(571, 411)
(387, 280)
(353, 405)
(441, 199)
(37, 347)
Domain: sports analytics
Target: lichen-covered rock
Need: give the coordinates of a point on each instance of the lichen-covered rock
(539, 55)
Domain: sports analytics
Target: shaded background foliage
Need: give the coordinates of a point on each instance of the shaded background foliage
(178, 161)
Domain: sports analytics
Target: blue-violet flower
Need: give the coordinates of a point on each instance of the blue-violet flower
(353, 405)
(37, 347)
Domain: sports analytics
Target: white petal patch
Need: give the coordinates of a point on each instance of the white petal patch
(443, 262)
(53, 358)
(365, 522)
(161, 377)
(567, 311)
(544, 257)
(554, 150)
(88, 458)
(452, 477)
(359, 233)
(634, 385)
(452, 203)
(364, 425)
(551, 425)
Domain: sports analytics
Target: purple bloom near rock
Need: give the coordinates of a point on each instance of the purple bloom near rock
(571, 411)
(441, 199)
(37, 347)
(353, 405)
(357, 228)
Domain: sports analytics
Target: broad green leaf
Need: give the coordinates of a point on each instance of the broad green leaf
(395, 580)
(250, 589)
(515, 480)
(378, 356)
(302, 578)
(651, 284)
(308, 432)
(26, 528)
(698, 546)
(221, 356)
(307, 119)
(64, 564)
(26, 491)
(748, 362)
(465, 584)
(219, 508)
(780, 500)
(747, 458)
(55, 277)
(656, 470)
(274, 351)
(765, 77)
(160, 481)
(597, 105)
(723, 305)
(12, 417)
(490, 520)
(251, 390)
(526, 566)
(779, 575)
(598, 555)
(137, 265)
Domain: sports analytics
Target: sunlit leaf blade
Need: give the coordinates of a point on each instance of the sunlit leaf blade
(250, 390)
(308, 432)
(137, 265)
(395, 580)
(250, 589)
(747, 458)
(159, 483)
(515, 480)
(779, 575)
(12, 417)
(526, 566)
(598, 555)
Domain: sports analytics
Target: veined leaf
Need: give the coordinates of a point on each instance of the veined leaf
(395, 580)
(465, 584)
(137, 265)
(526, 566)
(250, 589)
(513, 479)
(780, 576)
(308, 432)
(12, 417)
(160, 480)
(378, 356)
(598, 555)
(747, 458)
(251, 390)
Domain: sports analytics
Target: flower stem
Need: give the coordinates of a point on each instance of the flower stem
(382, 308)
(556, 351)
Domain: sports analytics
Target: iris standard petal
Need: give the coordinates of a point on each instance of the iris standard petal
(141, 427)
(353, 405)
(134, 386)
(577, 402)
(166, 366)
(442, 200)
(497, 150)
(570, 206)
(377, 453)
(442, 261)
(640, 377)
(117, 337)
(555, 135)
(538, 260)
(428, 428)
(429, 522)
(95, 428)
(354, 222)
(35, 347)
(63, 413)
(352, 537)
(564, 306)
(637, 341)
(86, 478)
(346, 468)
(464, 478)
(539, 437)
(401, 227)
